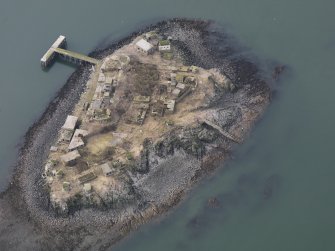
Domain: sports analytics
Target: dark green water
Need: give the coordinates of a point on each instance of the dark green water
(294, 142)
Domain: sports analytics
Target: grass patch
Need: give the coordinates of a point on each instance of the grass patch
(164, 42)
(167, 55)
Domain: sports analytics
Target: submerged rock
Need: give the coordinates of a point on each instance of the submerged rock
(213, 202)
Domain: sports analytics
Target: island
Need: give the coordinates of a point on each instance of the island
(141, 106)
(126, 138)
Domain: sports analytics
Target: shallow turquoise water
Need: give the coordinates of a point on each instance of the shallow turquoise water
(294, 141)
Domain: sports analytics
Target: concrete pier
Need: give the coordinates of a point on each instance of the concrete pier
(75, 57)
(58, 49)
(49, 56)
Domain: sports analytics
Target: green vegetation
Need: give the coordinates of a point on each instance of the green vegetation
(129, 156)
(145, 77)
(180, 78)
(66, 186)
(167, 55)
(151, 34)
(164, 42)
(123, 59)
(74, 203)
(169, 122)
(60, 174)
(54, 162)
(108, 152)
(194, 69)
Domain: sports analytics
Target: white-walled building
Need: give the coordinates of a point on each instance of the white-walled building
(144, 46)
(164, 45)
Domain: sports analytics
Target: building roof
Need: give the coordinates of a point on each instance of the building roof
(180, 86)
(77, 141)
(144, 45)
(106, 169)
(87, 187)
(109, 80)
(70, 156)
(170, 104)
(70, 123)
(176, 92)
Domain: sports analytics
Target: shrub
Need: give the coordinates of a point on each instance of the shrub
(129, 156)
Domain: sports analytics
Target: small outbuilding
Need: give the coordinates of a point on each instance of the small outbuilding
(164, 45)
(144, 46)
(176, 92)
(87, 187)
(106, 169)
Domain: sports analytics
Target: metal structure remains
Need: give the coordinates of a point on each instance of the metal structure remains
(223, 132)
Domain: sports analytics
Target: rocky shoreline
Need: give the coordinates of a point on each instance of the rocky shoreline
(26, 200)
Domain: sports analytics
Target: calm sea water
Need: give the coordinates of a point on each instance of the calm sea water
(293, 143)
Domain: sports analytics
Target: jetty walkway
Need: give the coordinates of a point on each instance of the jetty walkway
(58, 48)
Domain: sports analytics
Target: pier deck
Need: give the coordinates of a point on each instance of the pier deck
(58, 49)
(74, 56)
